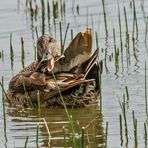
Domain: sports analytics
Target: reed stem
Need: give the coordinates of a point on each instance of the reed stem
(127, 93)
(146, 108)
(119, 18)
(105, 21)
(25, 146)
(65, 141)
(23, 52)
(121, 135)
(83, 145)
(11, 51)
(38, 101)
(65, 36)
(43, 17)
(61, 38)
(106, 135)
(37, 136)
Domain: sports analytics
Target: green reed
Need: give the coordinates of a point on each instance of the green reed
(66, 110)
(120, 28)
(26, 4)
(126, 23)
(2, 55)
(48, 14)
(82, 137)
(121, 133)
(23, 52)
(71, 34)
(127, 38)
(65, 141)
(92, 24)
(64, 7)
(61, 37)
(87, 17)
(36, 12)
(3, 90)
(146, 108)
(38, 101)
(116, 51)
(123, 109)
(11, 51)
(145, 134)
(78, 10)
(135, 20)
(61, 8)
(3, 102)
(106, 134)
(48, 131)
(43, 16)
(105, 20)
(146, 32)
(127, 93)
(26, 142)
(55, 9)
(37, 136)
(63, 44)
(100, 87)
(135, 129)
(97, 44)
(88, 139)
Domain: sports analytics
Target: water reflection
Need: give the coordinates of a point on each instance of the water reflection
(24, 123)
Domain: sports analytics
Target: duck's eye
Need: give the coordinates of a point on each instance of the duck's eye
(50, 40)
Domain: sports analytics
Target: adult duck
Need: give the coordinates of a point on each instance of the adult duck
(68, 80)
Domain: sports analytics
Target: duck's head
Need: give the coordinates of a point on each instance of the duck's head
(47, 49)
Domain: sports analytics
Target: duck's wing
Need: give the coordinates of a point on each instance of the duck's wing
(91, 68)
(27, 81)
(78, 51)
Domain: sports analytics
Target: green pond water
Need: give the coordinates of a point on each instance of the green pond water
(22, 123)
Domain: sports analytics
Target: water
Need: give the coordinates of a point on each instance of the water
(23, 123)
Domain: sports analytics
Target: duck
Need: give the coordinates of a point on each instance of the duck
(67, 80)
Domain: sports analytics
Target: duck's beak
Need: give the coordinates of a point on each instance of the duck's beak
(51, 61)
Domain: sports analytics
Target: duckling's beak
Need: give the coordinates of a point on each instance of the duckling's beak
(50, 62)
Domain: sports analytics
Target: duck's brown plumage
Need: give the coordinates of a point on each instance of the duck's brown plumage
(76, 88)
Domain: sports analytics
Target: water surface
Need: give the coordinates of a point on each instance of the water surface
(23, 123)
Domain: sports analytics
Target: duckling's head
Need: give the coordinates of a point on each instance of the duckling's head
(47, 48)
